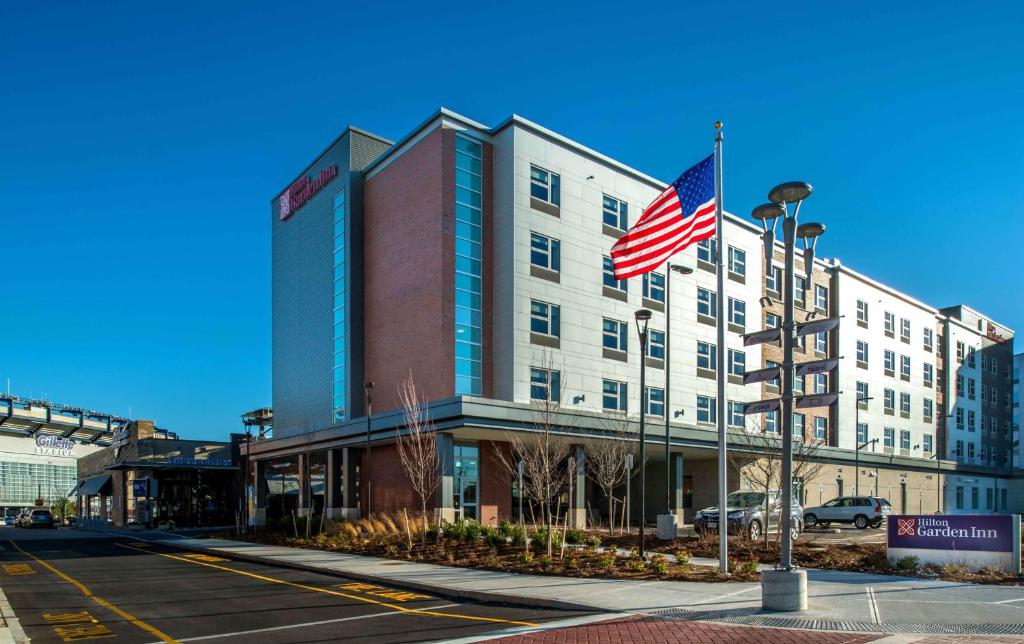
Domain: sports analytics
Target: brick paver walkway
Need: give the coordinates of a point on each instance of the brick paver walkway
(652, 629)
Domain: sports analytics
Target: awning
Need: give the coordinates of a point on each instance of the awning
(96, 485)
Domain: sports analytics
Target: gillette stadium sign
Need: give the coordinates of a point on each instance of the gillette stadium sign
(54, 445)
(974, 539)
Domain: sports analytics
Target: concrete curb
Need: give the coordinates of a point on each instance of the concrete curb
(441, 591)
(14, 630)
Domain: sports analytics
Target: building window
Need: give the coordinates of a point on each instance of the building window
(544, 185)
(614, 334)
(821, 342)
(929, 342)
(339, 384)
(927, 409)
(654, 287)
(960, 352)
(613, 395)
(800, 291)
(771, 422)
(890, 324)
(821, 383)
(468, 267)
(889, 400)
(737, 261)
(905, 329)
(974, 496)
(798, 384)
(820, 428)
(862, 433)
(615, 213)
(905, 439)
(545, 384)
(960, 418)
(959, 497)
(707, 303)
(820, 297)
(706, 250)
(970, 357)
(737, 312)
(706, 356)
(654, 401)
(929, 375)
(889, 437)
(971, 392)
(545, 252)
(889, 363)
(927, 443)
(905, 366)
(959, 451)
(656, 345)
(544, 318)
(736, 416)
(862, 393)
(773, 280)
(904, 403)
(774, 382)
(609, 277)
(706, 410)
(970, 420)
(799, 425)
(862, 311)
(988, 498)
(862, 354)
(959, 386)
(737, 362)
(970, 451)
(772, 321)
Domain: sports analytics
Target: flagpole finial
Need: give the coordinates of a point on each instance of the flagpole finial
(718, 125)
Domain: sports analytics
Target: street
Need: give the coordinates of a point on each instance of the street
(64, 588)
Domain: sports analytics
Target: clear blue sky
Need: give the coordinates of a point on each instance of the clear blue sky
(140, 146)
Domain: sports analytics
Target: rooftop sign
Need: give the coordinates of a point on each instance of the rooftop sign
(303, 190)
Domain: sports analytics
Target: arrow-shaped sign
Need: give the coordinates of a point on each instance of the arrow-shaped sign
(816, 400)
(762, 375)
(816, 326)
(760, 337)
(762, 406)
(816, 366)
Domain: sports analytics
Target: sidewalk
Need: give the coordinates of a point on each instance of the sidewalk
(10, 627)
(839, 601)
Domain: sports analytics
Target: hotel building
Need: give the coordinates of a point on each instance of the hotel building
(476, 259)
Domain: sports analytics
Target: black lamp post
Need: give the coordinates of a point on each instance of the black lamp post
(368, 386)
(643, 318)
(682, 270)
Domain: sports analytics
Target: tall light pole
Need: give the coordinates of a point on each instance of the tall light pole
(784, 588)
(856, 439)
(368, 386)
(682, 270)
(643, 318)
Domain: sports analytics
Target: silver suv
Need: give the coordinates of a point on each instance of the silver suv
(861, 511)
(750, 514)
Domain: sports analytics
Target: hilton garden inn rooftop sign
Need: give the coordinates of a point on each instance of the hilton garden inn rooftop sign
(972, 539)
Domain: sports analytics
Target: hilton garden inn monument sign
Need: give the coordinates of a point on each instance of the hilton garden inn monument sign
(970, 539)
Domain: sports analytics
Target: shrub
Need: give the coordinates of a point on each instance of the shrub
(389, 524)
(606, 561)
(954, 571)
(525, 557)
(682, 556)
(636, 564)
(574, 537)
(572, 562)
(545, 562)
(493, 561)
(749, 567)
(592, 541)
(493, 536)
(658, 564)
(908, 564)
(473, 531)
(540, 539)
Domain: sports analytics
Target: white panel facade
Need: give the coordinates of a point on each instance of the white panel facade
(964, 405)
(882, 301)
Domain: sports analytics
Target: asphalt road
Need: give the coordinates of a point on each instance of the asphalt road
(67, 589)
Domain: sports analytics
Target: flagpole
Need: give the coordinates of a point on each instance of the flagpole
(723, 521)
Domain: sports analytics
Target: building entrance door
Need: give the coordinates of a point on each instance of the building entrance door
(468, 508)
(467, 481)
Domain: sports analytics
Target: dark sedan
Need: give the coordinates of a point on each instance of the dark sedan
(40, 519)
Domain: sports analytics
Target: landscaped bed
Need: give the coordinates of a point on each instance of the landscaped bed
(592, 554)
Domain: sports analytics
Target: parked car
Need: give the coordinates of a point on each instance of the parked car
(71, 521)
(861, 511)
(746, 514)
(41, 519)
(22, 518)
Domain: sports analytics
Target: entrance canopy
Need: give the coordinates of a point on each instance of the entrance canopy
(96, 485)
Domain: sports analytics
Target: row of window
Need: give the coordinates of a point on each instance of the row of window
(989, 495)
(988, 423)
(889, 401)
(773, 284)
(889, 364)
(889, 438)
(889, 322)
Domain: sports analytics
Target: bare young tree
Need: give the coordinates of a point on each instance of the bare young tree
(758, 458)
(606, 461)
(544, 454)
(417, 449)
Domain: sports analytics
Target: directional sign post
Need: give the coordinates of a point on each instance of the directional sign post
(816, 326)
(762, 406)
(816, 400)
(760, 337)
(762, 375)
(816, 367)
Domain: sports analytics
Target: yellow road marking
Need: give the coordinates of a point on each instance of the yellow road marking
(381, 591)
(329, 591)
(75, 627)
(99, 600)
(208, 558)
(19, 569)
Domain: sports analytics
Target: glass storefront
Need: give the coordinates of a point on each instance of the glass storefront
(317, 481)
(281, 476)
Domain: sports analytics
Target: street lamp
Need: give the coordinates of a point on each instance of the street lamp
(785, 588)
(368, 386)
(856, 435)
(682, 270)
(643, 318)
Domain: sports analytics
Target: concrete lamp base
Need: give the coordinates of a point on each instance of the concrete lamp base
(784, 590)
(668, 526)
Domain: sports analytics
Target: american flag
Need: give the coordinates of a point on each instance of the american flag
(683, 214)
